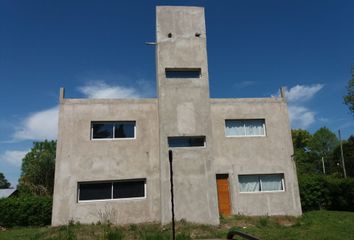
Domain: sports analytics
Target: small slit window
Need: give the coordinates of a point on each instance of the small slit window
(113, 130)
(90, 191)
(192, 141)
(183, 72)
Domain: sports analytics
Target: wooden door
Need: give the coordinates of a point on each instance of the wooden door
(222, 183)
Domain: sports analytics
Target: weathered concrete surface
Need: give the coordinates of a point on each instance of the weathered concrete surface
(256, 155)
(183, 108)
(81, 159)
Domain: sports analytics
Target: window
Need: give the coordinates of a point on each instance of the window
(111, 190)
(113, 130)
(261, 183)
(245, 127)
(183, 72)
(194, 141)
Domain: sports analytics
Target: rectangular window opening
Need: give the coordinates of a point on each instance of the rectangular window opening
(245, 128)
(183, 72)
(113, 130)
(125, 189)
(191, 141)
(261, 183)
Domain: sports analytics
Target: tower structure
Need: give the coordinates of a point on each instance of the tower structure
(184, 113)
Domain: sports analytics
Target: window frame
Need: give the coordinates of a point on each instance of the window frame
(260, 183)
(186, 147)
(244, 126)
(113, 138)
(174, 70)
(111, 182)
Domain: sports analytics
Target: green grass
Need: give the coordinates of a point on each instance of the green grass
(312, 225)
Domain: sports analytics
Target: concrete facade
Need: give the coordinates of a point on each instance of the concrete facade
(183, 108)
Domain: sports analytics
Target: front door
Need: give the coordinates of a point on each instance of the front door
(222, 183)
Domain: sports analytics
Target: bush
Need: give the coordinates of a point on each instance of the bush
(25, 211)
(326, 192)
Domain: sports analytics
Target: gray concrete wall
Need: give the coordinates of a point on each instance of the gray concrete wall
(184, 110)
(256, 155)
(81, 159)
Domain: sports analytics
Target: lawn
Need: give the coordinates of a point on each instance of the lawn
(312, 225)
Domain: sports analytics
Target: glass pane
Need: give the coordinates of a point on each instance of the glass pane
(272, 182)
(186, 141)
(182, 73)
(124, 130)
(102, 130)
(249, 183)
(254, 127)
(129, 189)
(95, 191)
(234, 128)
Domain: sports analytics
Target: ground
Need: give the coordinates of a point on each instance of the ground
(312, 225)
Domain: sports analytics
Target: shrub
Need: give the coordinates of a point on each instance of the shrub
(25, 211)
(326, 192)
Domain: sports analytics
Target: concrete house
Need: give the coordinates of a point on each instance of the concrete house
(231, 156)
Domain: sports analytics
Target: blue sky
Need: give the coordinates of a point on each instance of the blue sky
(95, 49)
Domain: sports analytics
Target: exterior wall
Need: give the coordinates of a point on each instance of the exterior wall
(81, 159)
(184, 110)
(256, 155)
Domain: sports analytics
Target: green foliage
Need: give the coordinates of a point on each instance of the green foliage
(326, 192)
(348, 150)
(312, 225)
(263, 222)
(323, 142)
(37, 177)
(349, 97)
(309, 150)
(301, 138)
(25, 211)
(114, 234)
(3, 181)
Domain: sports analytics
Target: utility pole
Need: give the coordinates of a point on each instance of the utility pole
(323, 166)
(341, 154)
(170, 158)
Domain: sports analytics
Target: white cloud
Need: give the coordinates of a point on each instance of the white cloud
(297, 96)
(302, 93)
(13, 157)
(100, 89)
(39, 126)
(301, 117)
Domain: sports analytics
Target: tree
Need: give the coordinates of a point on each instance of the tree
(349, 97)
(3, 182)
(348, 150)
(305, 159)
(37, 176)
(301, 138)
(323, 142)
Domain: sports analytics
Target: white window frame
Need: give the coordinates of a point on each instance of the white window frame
(112, 199)
(244, 128)
(112, 139)
(260, 183)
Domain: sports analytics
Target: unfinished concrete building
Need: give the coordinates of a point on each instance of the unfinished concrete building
(231, 156)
